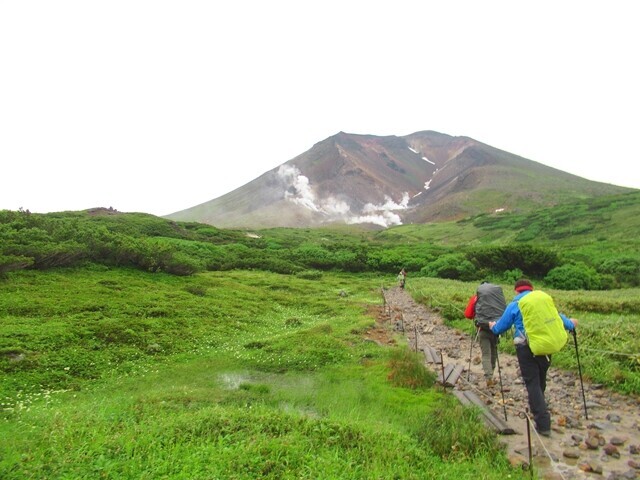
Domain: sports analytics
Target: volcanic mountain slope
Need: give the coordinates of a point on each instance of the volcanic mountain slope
(365, 179)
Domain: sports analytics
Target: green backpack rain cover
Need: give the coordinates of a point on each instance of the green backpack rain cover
(545, 331)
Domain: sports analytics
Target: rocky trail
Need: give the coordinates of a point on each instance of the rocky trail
(606, 445)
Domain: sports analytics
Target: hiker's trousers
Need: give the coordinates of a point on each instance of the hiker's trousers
(534, 373)
(488, 347)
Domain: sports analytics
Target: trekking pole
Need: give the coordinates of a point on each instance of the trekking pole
(473, 340)
(584, 400)
(525, 415)
(504, 406)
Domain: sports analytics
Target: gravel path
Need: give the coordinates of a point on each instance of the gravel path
(607, 445)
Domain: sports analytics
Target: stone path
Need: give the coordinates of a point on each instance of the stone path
(607, 445)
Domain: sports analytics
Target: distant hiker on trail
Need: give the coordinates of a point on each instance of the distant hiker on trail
(539, 331)
(402, 278)
(487, 305)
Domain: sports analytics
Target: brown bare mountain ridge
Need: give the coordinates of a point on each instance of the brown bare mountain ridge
(390, 180)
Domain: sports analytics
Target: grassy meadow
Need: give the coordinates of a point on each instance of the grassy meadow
(120, 373)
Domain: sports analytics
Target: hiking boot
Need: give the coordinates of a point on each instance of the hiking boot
(544, 433)
(491, 382)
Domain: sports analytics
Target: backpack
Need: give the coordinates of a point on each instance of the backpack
(490, 304)
(542, 323)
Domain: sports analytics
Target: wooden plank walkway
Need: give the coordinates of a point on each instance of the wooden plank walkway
(432, 355)
(468, 397)
(448, 376)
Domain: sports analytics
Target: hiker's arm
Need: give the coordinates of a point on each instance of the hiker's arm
(569, 323)
(507, 319)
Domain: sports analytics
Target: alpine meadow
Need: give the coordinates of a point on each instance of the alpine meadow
(134, 346)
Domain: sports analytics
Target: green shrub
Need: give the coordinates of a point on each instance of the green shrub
(573, 277)
(608, 282)
(533, 261)
(625, 270)
(314, 256)
(452, 266)
(512, 276)
(182, 265)
(352, 261)
(10, 263)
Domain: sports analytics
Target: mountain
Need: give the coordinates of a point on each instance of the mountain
(390, 180)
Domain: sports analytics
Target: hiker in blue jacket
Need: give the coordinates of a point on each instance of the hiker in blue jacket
(532, 367)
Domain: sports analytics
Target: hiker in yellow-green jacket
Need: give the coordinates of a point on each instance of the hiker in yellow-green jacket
(539, 331)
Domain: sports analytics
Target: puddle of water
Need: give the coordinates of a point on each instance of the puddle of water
(233, 380)
(305, 411)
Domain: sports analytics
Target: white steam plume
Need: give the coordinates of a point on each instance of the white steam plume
(298, 190)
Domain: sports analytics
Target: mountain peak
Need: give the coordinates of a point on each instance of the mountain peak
(389, 180)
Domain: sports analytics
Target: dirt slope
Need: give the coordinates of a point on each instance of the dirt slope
(607, 444)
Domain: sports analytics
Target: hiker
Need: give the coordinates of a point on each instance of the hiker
(402, 278)
(487, 305)
(539, 331)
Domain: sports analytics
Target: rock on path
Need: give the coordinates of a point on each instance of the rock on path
(607, 445)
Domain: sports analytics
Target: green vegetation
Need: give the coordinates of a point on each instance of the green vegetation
(597, 237)
(594, 240)
(132, 346)
(118, 373)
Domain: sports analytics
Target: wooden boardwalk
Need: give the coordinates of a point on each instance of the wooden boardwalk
(448, 376)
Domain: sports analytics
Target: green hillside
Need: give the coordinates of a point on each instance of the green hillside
(599, 233)
(614, 217)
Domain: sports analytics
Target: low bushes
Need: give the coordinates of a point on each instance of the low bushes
(573, 277)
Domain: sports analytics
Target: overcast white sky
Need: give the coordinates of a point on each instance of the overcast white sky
(156, 106)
